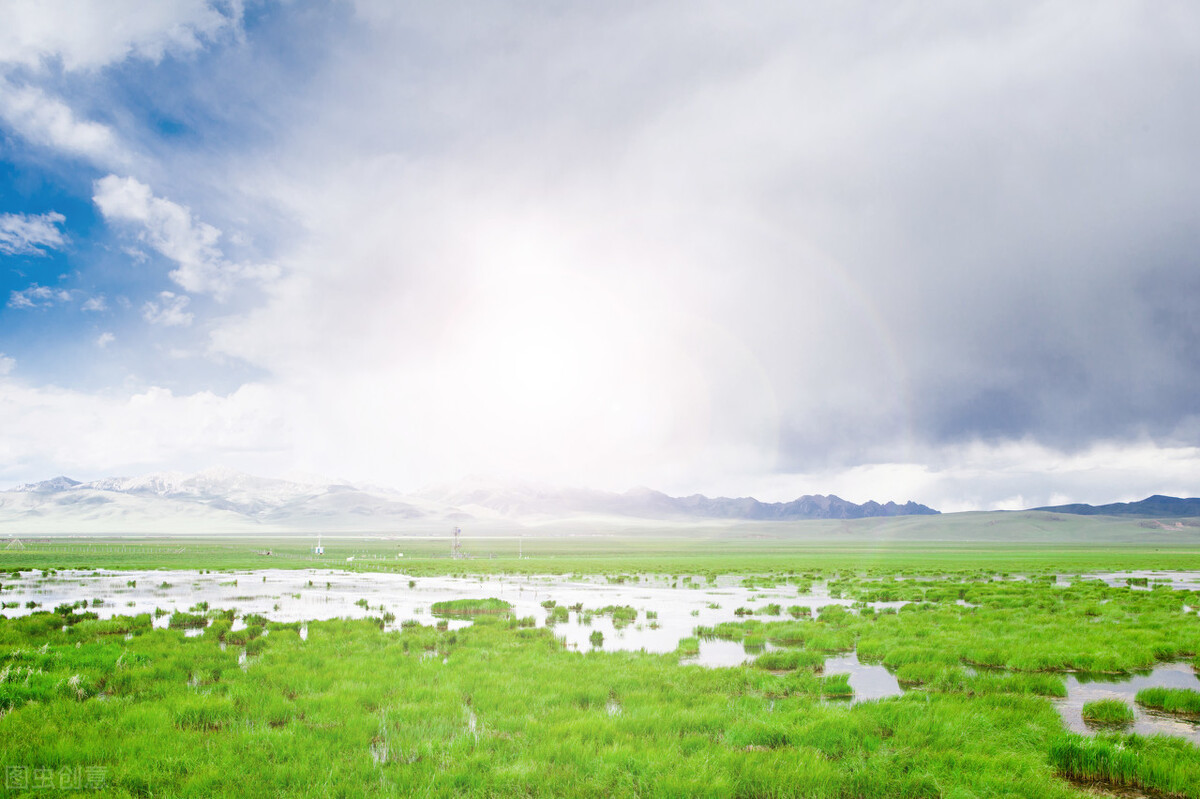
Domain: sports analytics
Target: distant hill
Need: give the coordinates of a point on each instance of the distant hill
(226, 500)
(515, 499)
(1150, 507)
(215, 500)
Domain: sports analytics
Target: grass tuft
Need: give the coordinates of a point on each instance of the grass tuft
(1108, 712)
(470, 607)
(1182, 701)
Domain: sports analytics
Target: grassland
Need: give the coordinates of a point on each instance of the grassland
(354, 711)
(501, 708)
(943, 545)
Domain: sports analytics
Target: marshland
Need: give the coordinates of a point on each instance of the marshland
(636, 399)
(831, 674)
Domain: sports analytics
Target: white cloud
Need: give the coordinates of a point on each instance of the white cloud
(31, 234)
(760, 259)
(88, 34)
(96, 303)
(138, 255)
(169, 310)
(37, 297)
(270, 429)
(1006, 475)
(49, 122)
(50, 430)
(104, 339)
(170, 229)
(81, 35)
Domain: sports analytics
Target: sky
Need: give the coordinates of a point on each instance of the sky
(935, 251)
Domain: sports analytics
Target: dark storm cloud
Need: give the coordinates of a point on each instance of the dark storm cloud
(1021, 204)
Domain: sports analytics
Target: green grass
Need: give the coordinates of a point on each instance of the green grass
(788, 659)
(185, 621)
(621, 615)
(470, 607)
(1183, 701)
(355, 711)
(1108, 712)
(837, 686)
(955, 543)
(502, 708)
(1166, 765)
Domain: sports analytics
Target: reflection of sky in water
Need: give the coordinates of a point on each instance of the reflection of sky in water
(868, 682)
(1185, 580)
(715, 652)
(1081, 689)
(285, 595)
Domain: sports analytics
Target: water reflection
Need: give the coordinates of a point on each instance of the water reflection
(868, 681)
(718, 653)
(1083, 688)
(311, 594)
(1178, 580)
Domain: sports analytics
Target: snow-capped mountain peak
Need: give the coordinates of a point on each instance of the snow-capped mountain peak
(223, 499)
(60, 483)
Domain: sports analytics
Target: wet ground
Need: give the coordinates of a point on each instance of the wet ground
(1084, 688)
(1180, 580)
(669, 609)
(678, 606)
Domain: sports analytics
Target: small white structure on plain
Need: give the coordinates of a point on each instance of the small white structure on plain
(349, 558)
(399, 555)
(318, 549)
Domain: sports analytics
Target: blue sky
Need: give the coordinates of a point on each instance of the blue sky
(927, 252)
(76, 315)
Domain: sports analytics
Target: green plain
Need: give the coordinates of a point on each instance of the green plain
(503, 709)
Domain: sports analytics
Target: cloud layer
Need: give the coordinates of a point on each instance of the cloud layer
(89, 35)
(929, 252)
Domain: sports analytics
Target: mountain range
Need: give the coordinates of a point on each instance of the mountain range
(517, 500)
(1155, 506)
(222, 500)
